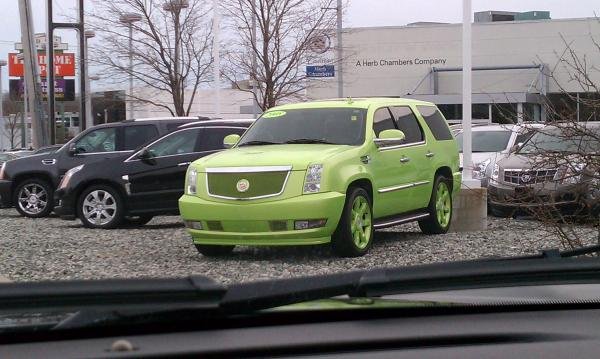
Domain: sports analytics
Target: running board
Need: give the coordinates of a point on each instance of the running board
(397, 220)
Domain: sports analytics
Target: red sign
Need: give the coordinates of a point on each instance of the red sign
(64, 65)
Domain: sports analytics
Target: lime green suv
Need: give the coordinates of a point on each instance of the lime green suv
(325, 172)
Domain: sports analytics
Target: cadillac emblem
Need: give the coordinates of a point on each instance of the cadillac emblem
(525, 177)
(242, 185)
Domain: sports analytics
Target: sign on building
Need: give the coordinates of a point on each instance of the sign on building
(320, 71)
(64, 65)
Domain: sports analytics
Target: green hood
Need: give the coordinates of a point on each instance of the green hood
(297, 155)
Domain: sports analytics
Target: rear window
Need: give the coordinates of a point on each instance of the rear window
(436, 122)
(487, 141)
(135, 136)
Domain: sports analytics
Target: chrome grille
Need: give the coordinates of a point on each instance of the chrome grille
(528, 177)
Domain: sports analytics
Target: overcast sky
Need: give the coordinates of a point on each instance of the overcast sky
(360, 13)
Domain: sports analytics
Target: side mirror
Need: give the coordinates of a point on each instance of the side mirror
(389, 138)
(230, 140)
(146, 156)
(516, 147)
(72, 149)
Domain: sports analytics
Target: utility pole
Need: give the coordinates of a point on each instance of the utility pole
(128, 19)
(253, 81)
(340, 51)
(467, 89)
(32, 77)
(89, 119)
(217, 57)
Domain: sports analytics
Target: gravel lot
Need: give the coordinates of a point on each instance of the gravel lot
(53, 249)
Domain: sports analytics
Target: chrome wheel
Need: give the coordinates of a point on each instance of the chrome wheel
(99, 207)
(33, 198)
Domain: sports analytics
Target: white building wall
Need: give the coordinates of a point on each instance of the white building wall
(203, 105)
(389, 61)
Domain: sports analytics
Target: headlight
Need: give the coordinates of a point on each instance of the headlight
(67, 178)
(570, 174)
(312, 182)
(480, 168)
(192, 178)
(496, 172)
(2, 171)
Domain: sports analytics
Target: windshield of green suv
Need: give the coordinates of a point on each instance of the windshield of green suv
(562, 140)
(338, 126)
(486, 141)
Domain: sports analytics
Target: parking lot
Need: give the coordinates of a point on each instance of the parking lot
(51, 248)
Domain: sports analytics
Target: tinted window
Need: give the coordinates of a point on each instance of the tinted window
(383, 121)
(340, 126)
(436, 122)
(74, 121)
(212, 139)
(486, 141)
(177, 143)
(100, 140)
(407, 123)
(135, 136)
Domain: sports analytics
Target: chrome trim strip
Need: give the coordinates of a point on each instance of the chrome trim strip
(400, 220)
(415, 144)
(403, 186)
(101, 153)
(248, 169)
(248, 198)
(529, 169)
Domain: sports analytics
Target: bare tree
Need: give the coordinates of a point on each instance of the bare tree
(285, 30)
(559, 184)
(171, 48)
(12, 129)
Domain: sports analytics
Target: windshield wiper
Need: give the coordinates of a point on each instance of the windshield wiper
(258, 143)
(309, 141)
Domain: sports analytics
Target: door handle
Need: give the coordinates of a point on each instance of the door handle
(405, 159)
(184, 164)
(430, 154)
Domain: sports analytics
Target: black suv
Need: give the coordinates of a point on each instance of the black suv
(28, 183)
(132, 188)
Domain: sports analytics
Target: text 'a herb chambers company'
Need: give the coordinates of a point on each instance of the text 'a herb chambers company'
(400, 62)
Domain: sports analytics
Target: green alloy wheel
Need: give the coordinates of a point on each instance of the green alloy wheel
(354, 234)
(440, 208)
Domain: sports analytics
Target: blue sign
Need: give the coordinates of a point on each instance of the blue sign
(320, 71)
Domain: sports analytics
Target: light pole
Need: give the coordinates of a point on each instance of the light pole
(128, 19)
(175, 7)
(467, 97)
(217, 57)
(340, 52)
(2, 64)
(253, 81)
(89, 122)
(25, 114)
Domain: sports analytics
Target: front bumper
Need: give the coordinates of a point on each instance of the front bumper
(65, 207)
(5, 194)
(549, 194)
(251, 223)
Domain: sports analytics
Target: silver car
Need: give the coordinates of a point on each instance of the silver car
(491, 143)
(557, 167)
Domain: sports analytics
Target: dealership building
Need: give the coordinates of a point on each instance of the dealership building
(517, 65)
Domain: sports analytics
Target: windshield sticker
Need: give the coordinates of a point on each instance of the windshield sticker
(274, 114)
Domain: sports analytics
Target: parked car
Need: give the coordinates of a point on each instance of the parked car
(548, 170)
(135, 187)
(5, 156)
(28, 183)
(21, 152)
(325, 172)
(491, 143)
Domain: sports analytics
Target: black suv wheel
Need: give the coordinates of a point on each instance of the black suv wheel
(100, 207)
(34, 198)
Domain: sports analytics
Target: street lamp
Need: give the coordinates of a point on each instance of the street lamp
(128, 19)
(89, 122)
(175, 5)
(2, 64)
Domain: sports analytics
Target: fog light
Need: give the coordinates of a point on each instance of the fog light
(193, 225)
(309, 224)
